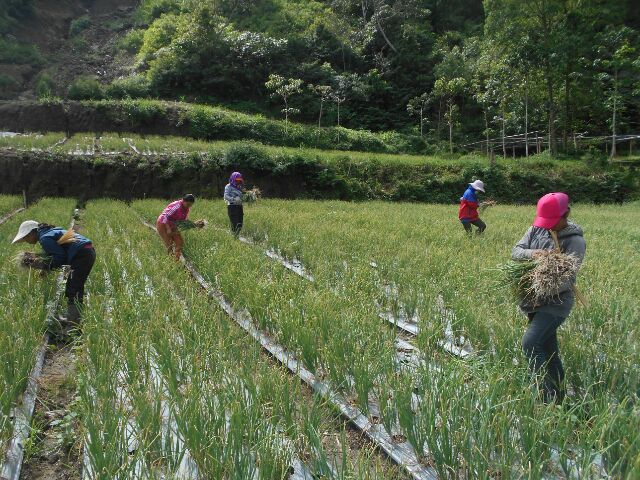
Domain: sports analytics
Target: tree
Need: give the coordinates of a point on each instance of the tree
(347, 85)
(325, 94)
(451, 81)
(449, 90)
(543, 23)
(285, 89)
(417, 106)
(615, 60)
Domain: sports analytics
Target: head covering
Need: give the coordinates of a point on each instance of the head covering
(189, 198)
(25, 229)
(550, 209)
(477, 185)
(236, 179)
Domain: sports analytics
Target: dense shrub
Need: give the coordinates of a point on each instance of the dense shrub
(19, 53)
(79, 24)
(86, 88)
(45, 86)
(7, 82)
(131, 42)
(135, 86)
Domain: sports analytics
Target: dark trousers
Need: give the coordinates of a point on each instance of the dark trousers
(540, 345)
(236, 216)
(478, 223)
(80, 268)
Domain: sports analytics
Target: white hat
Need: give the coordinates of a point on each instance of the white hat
(25, 229)
(478, 185)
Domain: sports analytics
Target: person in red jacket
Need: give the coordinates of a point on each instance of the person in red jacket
(468, 213)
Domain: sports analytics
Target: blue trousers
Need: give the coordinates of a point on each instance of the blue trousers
(540, 345)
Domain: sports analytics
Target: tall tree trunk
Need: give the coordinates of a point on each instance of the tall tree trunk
(320, 117)
(286, 115)
(553, 142)
(565, 132)
(614, 151)
(526, 118)
(451, 126)
(504, 145)
(439, 129)
(421, 122)
(486, 128)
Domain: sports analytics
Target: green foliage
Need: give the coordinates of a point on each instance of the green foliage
(19, 53)
(45, 85)
(12, 11)
(7, 81)
(135, 86)
(132, 41)
(85, 87)
(78, 25)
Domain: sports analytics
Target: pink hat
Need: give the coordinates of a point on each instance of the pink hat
(550, 210)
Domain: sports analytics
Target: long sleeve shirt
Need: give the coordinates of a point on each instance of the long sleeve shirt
(571, 241)
(174, 212)
(469, 206)
(60, 254)
(232, 195)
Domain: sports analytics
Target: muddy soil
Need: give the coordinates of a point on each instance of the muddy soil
(55, 451)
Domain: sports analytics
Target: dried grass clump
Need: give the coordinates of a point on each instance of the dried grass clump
(541, 279)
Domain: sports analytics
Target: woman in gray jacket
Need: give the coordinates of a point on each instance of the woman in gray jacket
(233, 193)
(540, 341)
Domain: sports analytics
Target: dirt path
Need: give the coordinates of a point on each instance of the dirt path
(53, 452)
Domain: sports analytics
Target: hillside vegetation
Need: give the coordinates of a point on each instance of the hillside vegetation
(454, 72)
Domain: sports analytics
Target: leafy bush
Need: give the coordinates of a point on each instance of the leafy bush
(135, 86)
(45, 86)
(86, 88)
(19, 53)
(78, 25)
(7, 81)
(131, 42)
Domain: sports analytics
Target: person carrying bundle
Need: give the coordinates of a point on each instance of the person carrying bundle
(167, 224)
(233, 197)
(61, 247)
(551, 231)
(468, 212)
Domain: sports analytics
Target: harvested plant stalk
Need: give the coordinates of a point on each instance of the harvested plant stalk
(28, 260)
(188, 224)
(542, 278)
(486, 204)
(252, 196)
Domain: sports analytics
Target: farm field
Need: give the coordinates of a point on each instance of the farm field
(167, 384)
(88, 144)
(420, 254)
(8, 204)
(23, 301)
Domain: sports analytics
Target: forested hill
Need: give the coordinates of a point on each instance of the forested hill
(459, 70)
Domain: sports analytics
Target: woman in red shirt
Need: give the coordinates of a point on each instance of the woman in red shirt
(167, 227)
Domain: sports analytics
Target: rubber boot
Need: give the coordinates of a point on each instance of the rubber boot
(73, 314)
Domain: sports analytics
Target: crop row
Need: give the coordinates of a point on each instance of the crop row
(24, 297)
(334, 327)
(168, 386)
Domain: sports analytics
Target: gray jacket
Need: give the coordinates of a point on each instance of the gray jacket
(232, 196)
(571, 240)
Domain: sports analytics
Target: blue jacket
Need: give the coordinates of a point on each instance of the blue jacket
(60, 254)
(470, 195)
